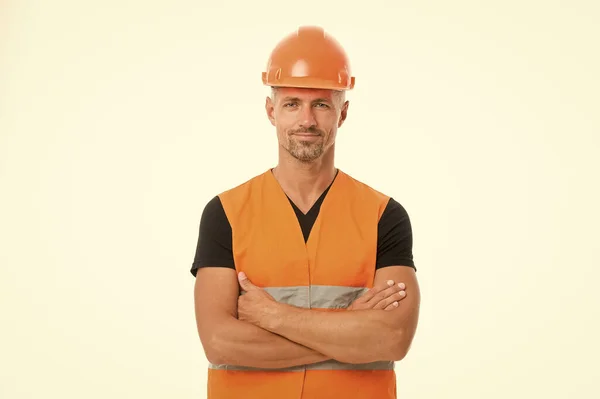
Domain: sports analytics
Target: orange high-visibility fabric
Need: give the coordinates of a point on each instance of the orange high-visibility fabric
(340, 255)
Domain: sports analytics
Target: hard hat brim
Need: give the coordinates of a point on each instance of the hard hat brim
(309, 82)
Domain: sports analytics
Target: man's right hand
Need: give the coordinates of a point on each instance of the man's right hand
(386, 297)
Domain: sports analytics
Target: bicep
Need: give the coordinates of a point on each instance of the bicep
(216, 288)
(400, 274)
(216, 293)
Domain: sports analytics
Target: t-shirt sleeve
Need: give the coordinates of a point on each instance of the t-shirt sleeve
(394, 237)
(214, 246)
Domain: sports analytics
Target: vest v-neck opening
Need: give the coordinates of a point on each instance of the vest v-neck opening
(314, 208)
(306, 221)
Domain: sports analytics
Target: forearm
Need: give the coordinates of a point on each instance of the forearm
(239, 343)
(353, 336)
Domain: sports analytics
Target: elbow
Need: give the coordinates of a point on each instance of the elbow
(213, 357)
(219, 346)
(399, 353)
(400, 343)
(214, 349)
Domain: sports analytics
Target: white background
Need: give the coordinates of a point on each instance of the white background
(119, 120)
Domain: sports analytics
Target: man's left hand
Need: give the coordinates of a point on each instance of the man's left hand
(256, 304)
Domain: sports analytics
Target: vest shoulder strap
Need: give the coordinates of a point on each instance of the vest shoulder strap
(235, 199)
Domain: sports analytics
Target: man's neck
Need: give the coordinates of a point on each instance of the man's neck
(305, 182)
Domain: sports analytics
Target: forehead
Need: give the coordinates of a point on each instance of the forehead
(304, 93)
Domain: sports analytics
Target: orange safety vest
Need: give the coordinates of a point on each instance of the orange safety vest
(328, 272)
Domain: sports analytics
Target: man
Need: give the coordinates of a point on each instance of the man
(305, 280)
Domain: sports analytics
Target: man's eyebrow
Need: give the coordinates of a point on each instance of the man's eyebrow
(321, 100)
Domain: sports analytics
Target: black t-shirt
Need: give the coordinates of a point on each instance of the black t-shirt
(214, 247)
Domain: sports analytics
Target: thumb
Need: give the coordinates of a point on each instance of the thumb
(245, 283)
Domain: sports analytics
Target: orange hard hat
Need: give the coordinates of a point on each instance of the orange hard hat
(309, 58)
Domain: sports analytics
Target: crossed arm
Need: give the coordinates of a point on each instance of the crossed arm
(266, 334)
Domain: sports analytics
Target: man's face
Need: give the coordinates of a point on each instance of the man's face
(306, 120)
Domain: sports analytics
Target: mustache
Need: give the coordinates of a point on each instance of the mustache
(311, 130)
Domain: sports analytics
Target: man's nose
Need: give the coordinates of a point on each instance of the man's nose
(307, 117)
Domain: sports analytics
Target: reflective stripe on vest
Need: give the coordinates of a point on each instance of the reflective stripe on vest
(327, 272)
(321, 296)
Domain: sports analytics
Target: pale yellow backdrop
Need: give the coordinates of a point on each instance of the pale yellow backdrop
(121, 119)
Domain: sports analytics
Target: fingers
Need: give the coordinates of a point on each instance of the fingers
(361, 302)
(388, 296)
(392, 302)
(245, 283)
(371, 293)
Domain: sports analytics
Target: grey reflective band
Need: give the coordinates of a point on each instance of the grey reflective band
(323, 297)
(295, 296)
(326, 365)
(334, 297)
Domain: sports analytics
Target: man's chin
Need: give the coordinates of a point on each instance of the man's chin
(307, 157)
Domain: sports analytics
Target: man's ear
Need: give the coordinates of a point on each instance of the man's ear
(270, 109)
(344, 113)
